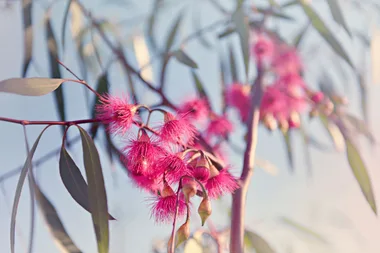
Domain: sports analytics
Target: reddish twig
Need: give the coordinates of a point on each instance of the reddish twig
(42, 122)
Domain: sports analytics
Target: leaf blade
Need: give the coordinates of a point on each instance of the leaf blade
(64, 23)
(96, 190)
(20, 183)
(257, 242)
(337, 14)
(241, 23)
(30, 86)
(182, 57)
(101, 88)
(28, 34)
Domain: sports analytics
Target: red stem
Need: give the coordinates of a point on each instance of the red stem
(239, 196)
(42, 122)
(172, 244)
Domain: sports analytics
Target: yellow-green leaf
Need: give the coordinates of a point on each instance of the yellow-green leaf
(257, 242)
(30, 86)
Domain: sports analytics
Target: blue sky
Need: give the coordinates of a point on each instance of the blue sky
(330, 202)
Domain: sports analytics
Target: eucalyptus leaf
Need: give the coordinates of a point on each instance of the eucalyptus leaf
(257, 242)
(30, 86)
(64, 22)
(101, 88)
(27, 9)
(182, 57)
(242, 27)
(338, 14)
(289, 149)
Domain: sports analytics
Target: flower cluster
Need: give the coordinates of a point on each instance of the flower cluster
(169, 156)
(287, 96)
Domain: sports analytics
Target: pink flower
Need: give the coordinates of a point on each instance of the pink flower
(149, 183)
(219, 126)
(164, 206)
(262, 48)
(117, 112)
(286, 60)
(196, 108)
(221, 184)
(237, 96)
(142, 154)
(317, 97)
(177, 129)
(173, 167)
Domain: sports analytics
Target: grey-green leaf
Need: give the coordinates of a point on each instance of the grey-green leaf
(54, 223)
(242, 27)
(20, 183)
(233, 67)
(324, 31)
(96, 190)
(337, 14)
(360, 172)
(182, 57)
(300, 36)
(101, 88)
(289, 149)
(257, 242)
(173, 33)
(27, 9)
(30, 86)
(64, 23)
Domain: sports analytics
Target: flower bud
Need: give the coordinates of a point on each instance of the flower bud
(270, 122)
(317, 97)
(183, 233)
(204, 209)
(284, 126)
(189, 188)
(294, 120)
(202, 169)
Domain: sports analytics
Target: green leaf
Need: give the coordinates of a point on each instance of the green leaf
(360, 172)
(64, 22)
(257, 242)
(289, 149)
(28, 34)
(233, 67)
(54, 223)
(182, 57)
(324, 31)
(363, 96)
(200, 87)
(242, 27)
(96, 190)
(73, 180)
(101, 88)
(334, 132)
(228, 31)
(173, 33)
(54, 68)
(152, 22)
(198, 27)
(338, 15)
(274, 13)
(30, 86)
(289, 4)
(304, 230)
(300, 36)
(20, 183)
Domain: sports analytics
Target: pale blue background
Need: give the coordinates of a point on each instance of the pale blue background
(331, 202)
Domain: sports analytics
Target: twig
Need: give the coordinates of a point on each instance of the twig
(69, 70)
(42, 122)
(172, 243)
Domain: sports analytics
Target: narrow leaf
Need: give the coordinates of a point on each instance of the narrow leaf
(73, 180)
(64, 22)
(228, 31)
(324, 31)
(101, 88)
(197, 24)
(360, 172)
(300, 36)
(289, 4)
(27, 9)
(54, 68)
(20, 183)
(54, 223)
(173, 33)
(182, 57)
(304, 230)
(363, 96)
(338, 15)
(30, 86)
(242, 27)
(257, 242)
(152, 22)
(289, 149)
(334, 132)
(199, 85)
(233, 67)
(96, 190)
(274, 13)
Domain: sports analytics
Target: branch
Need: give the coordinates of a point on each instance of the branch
(239, 196)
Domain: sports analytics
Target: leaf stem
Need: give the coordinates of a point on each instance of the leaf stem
(239, 196)
(171, 247)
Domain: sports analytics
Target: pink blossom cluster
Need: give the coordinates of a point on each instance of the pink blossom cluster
(161, 159)
(287, 96)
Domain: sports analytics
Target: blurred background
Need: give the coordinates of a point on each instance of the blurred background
(314, 205)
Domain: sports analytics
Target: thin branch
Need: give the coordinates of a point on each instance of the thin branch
(42, 122)
(69, 70)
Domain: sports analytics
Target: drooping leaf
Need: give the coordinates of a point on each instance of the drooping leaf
(27, 9)
(152, 22)
(324, 31)
(228, 31)
(54, 68)
(360, 172)
(334, 132)
(73, 180)
(289, 149)
(233, 67)
(242, 27)
(96, 190)
(101, 88)
(303, 229)
(274, 13)
(300, 36)
(199, 85)
(20, 183)
(257, 242)
(54, 223)
(143, 58)
(338, 14)
(289, 4)
(363, 96)
(182, 57)
(306, 149)
(64, 22)
(30, 86)
(364, 38)
(197, 26)
(173, 33)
